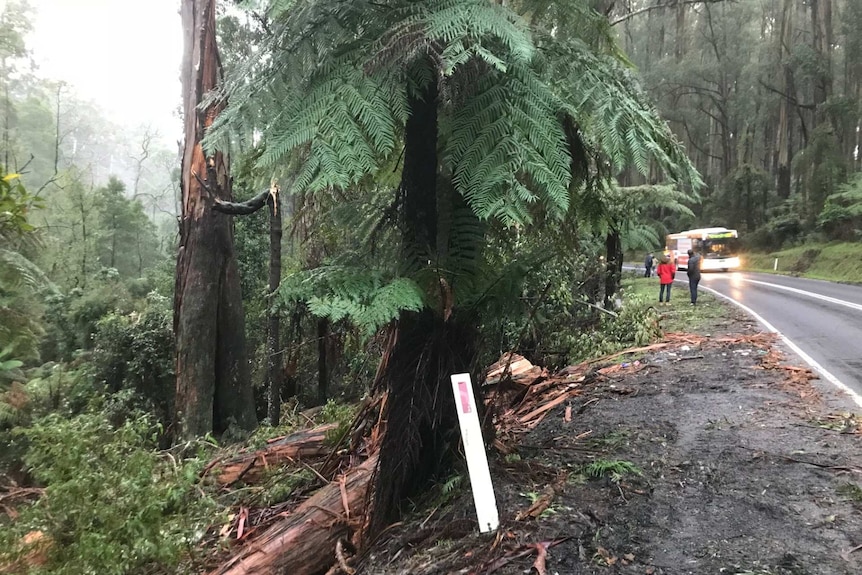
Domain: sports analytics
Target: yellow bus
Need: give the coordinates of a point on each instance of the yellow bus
(719, 248)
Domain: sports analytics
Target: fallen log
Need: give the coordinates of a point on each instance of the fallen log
(304, 542)
(250, 465)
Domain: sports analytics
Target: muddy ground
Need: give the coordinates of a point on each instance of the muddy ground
(717, 459)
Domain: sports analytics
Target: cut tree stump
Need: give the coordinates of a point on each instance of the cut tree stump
(249, 466)
(304, 542)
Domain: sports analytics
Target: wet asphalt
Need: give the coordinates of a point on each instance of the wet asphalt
(822, 318)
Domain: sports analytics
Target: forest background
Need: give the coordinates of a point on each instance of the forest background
(765, 96)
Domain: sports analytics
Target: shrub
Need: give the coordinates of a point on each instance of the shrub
(112, 503)
(135, 351)
(636, 324)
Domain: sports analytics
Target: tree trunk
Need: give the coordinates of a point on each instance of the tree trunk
(273, 336)
(249, 466)
(293, 347)
(785, 126)
(613, 269)
(304, 542)
(213, 387)
(821, 26)
(322, 362)
(427, 346)
(679, 48)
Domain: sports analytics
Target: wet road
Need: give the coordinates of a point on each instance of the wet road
(822, 320)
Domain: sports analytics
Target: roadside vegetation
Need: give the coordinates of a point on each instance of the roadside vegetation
(837, 261)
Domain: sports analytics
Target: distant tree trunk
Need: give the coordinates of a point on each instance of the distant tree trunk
(821, 26)
(273, 336)
(785, 126)
(293, 346)
(613, 266)
(679, 48)
(322, 361)
(113, 240)
(213, 380)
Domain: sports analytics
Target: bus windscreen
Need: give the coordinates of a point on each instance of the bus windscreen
(716, 248)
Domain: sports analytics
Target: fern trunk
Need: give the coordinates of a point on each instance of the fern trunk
(213, 388)
(421, 420)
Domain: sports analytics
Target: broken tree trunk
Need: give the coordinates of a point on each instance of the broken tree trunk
(249, 466)
(304, 542)
(274, 376)
(213, 389)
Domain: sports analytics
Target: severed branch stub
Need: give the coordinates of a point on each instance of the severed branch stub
(242, 208)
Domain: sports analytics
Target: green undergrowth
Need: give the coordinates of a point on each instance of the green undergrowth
(679, 315)
(614, 469)
(112, 503)
(636, 323)
(840, 261)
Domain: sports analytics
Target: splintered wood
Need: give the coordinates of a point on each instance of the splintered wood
(514, 368)
(304, 542)
(249, 465)
(304, 535)
(524, 394)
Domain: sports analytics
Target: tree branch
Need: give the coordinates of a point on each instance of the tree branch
(790, 98)
(669, 4)
(242, 208)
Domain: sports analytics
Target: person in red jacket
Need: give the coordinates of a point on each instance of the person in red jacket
(665, 272)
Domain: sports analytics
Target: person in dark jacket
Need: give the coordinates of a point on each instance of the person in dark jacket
(666, 271)
(648, 265)
(694, 263)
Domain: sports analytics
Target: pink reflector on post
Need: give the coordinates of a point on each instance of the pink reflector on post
(465, 396)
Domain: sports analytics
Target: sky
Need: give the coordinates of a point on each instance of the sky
(123, 54)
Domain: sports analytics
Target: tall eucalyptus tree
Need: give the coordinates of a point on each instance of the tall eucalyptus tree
(213, 378)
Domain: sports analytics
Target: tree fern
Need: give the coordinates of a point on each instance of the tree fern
(525, 98)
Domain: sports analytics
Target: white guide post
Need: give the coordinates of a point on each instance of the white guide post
(474, 449)
(775, 265)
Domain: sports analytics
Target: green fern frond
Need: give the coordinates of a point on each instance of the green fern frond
(507, 147)
(361, 296)
(613, 468)
(616, 117)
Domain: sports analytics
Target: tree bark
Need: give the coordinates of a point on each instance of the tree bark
(249, 466)
(274, 375)
(426, 347)
(213, 388)
(821, 26)
(293, 347)
(613, 269)
(303, 543)
(785, 125)
(322, 361)
(274, 372)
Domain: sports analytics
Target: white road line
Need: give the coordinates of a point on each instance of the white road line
(824, 373)
(837, 301)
